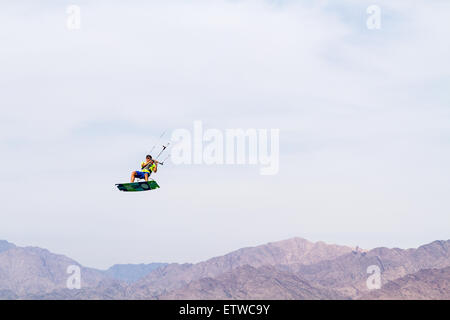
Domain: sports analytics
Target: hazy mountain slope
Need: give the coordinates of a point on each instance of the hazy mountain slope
(105, 290)
(247, 282)
(31, 270)
(7, 295)
(132, 272)
(5, 245)
(290, 269)
(348, 273)
(291, 251)
(426, 284)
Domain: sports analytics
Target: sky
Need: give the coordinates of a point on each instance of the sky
(363, 114)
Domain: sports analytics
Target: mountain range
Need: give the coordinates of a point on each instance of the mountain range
(290, 269)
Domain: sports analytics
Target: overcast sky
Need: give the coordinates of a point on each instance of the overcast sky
(364, 119)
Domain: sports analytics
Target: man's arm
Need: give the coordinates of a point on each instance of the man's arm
(145, 163)
(156, 167)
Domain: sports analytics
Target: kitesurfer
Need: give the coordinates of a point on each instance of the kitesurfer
(147, 167)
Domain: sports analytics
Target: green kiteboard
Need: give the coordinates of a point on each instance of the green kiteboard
(138, 186)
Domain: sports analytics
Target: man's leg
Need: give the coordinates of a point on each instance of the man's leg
(146, 176)
(133, 174)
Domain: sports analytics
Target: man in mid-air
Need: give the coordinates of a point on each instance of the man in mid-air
(147, 168)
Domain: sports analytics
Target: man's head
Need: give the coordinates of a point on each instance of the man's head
(148, 157)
